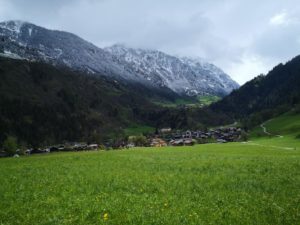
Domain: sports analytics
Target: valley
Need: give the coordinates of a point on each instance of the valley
(130, 134)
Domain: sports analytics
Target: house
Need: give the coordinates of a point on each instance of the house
(80, 146)
(165, 130)
(178, 142)
(130, 145)
(188, 134)
(221, 141)
(92, 146)
(61, 148)
(182, 142)
(157, 142)
(188, 141)
(38, 151)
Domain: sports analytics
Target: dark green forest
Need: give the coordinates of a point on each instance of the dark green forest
(265, 96)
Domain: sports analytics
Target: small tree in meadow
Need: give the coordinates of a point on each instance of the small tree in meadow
(10, 145)
(138, 140)
(244, 136)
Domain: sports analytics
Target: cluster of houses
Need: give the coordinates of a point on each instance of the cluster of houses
(165, 137)
(182, 138)
(57, 148)
(61, 148)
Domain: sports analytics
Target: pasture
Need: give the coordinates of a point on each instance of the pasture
(237, 183)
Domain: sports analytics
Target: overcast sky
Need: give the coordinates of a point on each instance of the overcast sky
(243, 37)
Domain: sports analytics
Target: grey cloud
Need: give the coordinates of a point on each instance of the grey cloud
(234, 34)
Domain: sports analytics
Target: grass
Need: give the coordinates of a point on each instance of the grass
(237, 183)
(200, 101)
(287, 124)
(177, 102)
(207, 100)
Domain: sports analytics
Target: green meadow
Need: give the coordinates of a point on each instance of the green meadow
(197, 102)
(238, 183)
(254, 182)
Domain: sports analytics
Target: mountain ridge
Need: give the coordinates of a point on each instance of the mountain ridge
(27, 41)
(180, 74)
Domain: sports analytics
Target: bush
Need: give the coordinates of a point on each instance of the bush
(101, 147)
(139, 140)
(10, 145)
(244, 136)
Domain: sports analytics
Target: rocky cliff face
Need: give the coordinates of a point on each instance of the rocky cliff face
(182, 75)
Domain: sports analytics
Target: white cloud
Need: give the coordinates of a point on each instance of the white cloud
(279, 19)
(249, 66)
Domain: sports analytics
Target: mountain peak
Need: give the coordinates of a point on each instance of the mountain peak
(13, 25)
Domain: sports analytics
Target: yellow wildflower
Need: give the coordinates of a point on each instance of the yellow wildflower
(105, 216)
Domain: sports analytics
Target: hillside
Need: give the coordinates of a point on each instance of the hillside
(43, 104)
(287, 124)
(265, 96)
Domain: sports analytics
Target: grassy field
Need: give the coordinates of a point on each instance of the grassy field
(207, 100)
(239, 183)
(199, 102)
(287, 124)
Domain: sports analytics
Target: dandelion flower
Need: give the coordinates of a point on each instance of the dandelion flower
(105, 216)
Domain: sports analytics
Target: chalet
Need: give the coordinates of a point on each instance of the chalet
(80, 146)
(182, 142)
(37, 151)
(92, 146)
(61, 148)
(165, 130)
(221, 141)
(188, 134)
(130, 145)
(157, 142)
(178, 142)
(188, 142)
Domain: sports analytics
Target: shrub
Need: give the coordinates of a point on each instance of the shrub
(101, 147)
(139, 140)
(244, 136)
(10, 145)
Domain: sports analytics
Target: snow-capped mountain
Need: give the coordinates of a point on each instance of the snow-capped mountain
(182, 75)
(24, 40)
(27, 41)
